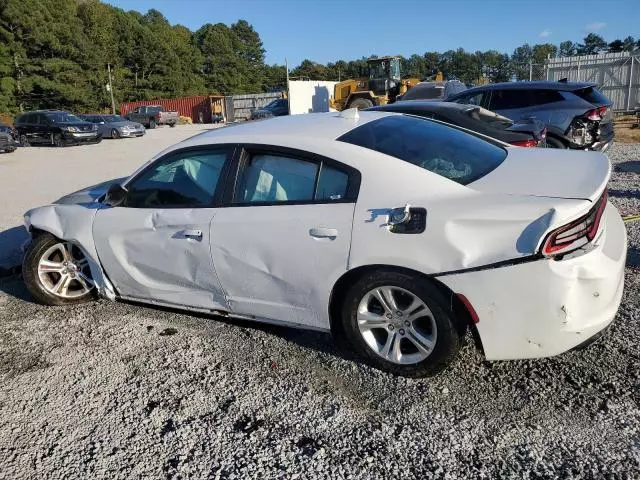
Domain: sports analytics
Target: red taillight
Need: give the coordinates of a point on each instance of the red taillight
(596, 114)
(526, 143)
(467, 304)
(577, 233)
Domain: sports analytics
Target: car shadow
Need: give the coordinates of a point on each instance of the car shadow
(630, 166)
(633, 257)
(313, 340)
(624, 193)
(321, 342)
(11, 241)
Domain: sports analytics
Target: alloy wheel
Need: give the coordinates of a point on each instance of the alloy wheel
(64, 271)
(397, 325)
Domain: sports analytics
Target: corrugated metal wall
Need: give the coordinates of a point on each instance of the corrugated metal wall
(244, 104)
(193, 106)
(617, 75)
(186, 106)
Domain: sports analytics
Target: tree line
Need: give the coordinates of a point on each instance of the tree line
(55, 54)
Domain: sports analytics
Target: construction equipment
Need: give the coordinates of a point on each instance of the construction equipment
(382, 86)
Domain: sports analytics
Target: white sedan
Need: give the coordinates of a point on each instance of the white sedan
(394, 232)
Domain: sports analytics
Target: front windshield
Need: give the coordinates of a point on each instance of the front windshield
(379, 70)
(113, 118)
(62, 117)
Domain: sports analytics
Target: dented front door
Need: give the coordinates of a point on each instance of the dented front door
(155, 245)
(159, 255)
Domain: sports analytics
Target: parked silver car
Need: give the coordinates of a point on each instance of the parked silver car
(115, 126)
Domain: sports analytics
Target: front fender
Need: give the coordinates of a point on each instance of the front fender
(73, 223)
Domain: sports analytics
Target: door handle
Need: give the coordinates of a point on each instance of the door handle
(321, 232)
(197, 234)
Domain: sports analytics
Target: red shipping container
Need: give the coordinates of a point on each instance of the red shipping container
(191, 107)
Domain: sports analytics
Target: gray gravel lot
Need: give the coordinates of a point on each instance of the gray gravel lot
(115, 390)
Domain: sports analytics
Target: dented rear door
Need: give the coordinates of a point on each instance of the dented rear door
(284, 240)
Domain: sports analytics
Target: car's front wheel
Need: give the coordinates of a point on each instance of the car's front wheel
(57, 272)
(58, 141)
(400, 324)
(115, 133)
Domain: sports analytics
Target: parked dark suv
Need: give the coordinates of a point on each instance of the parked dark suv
(55, 127)
(576, 115)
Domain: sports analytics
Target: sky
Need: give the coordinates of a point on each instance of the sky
(330, 30)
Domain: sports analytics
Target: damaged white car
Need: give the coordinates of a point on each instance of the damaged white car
(393, 232)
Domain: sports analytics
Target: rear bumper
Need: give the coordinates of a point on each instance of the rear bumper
(546, 307)
(605, 138)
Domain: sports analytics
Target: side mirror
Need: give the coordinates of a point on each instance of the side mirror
(115, 195)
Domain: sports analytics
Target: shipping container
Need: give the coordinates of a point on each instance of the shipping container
(198, 108)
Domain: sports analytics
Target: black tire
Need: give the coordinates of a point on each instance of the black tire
(98, 140)
(10, 150)
(553, 142)
(58, 141)
(448, 340)
(24, 141)
(152, 124)
(360, 103)
(115, 133)
(172, 125)
(34, 253)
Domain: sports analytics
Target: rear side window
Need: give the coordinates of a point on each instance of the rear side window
(507, 99)
(274, 178)
(541, 97)
(592, 95)
(444, 150)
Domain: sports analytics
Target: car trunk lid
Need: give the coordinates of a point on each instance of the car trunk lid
(548, 173)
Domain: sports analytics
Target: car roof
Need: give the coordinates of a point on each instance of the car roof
(537, 85)
(295, 131)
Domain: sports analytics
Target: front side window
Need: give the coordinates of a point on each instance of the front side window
(184, 180)
(441, 149)
(63, 117)
(274, 178)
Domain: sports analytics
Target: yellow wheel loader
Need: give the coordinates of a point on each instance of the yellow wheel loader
(382, 86)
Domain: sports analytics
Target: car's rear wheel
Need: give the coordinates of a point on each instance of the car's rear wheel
(361, 103)
(115, 133)
(152, 124)
(57, 272)
(553, 142)
(24, 141)
(400, 324)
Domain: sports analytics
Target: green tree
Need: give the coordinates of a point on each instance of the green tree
(630, 44)
(592, 44)
(567, 49)
(616, 46)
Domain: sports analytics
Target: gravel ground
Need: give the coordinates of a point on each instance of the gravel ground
(114, 390)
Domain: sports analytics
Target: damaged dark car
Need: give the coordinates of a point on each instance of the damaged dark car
(577, 115)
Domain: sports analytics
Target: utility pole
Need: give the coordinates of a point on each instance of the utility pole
(113, 103)
(286, 66)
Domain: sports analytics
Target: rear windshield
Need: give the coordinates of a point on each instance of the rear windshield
(444, 150)
(488, 117)
(592, 95)
(424, 93)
